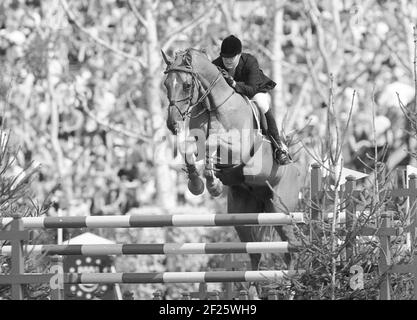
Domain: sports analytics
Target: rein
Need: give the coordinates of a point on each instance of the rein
(197, 83)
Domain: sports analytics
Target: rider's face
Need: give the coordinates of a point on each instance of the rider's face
(232, 62)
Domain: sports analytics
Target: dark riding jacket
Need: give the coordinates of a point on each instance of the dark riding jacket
(249, 78)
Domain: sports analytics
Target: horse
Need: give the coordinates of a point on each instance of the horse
(206, 114)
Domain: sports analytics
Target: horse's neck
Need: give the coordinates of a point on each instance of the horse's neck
(219, 98)
(230, 111)
(208, 75)
(233, 111)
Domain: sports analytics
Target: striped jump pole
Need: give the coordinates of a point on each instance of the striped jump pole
(152, 221)
(165, 277)
(166, 248)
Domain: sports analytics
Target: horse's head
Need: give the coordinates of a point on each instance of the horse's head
(182, 89)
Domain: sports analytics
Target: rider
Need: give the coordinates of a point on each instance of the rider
(242, 73)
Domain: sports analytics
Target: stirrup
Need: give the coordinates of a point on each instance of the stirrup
(282, 157)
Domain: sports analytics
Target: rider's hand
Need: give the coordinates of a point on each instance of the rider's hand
(231, 82)
(229, 79)
(224, 72)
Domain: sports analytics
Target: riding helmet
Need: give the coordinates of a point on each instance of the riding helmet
(231, 46)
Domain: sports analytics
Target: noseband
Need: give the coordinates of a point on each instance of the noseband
(196, 83)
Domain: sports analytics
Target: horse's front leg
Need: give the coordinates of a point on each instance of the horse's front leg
(195, 184)
(188, 148)
(213, 184)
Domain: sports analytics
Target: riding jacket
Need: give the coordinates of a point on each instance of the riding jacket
(249, 78)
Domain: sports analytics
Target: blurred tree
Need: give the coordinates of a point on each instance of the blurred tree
(86, 75)
(277, 20)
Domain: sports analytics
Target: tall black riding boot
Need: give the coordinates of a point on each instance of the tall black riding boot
(281, 153)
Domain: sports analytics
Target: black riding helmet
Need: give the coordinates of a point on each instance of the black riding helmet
(231, 46)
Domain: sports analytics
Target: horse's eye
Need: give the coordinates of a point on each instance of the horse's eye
(186, 86)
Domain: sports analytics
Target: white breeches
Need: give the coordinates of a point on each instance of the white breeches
(263, 100)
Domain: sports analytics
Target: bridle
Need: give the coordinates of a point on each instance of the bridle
(196, 83)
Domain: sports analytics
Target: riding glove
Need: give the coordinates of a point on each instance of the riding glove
(229, 79)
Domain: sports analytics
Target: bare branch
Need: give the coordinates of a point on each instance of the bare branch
(101, 42)
(263, 49)
(137, 14)
(350, 82)
(331, 119)
(315, 158)
(155, 5)
(132, 106)
(297, 106)
(294, 67)
(320, 34)
(415, 67)
(398, 57)
(313, 74)
(344, 133)
(405, 110)
(405, 21)
(188, 26)
(336, 20)
(376, 195)
(227, 16)
(113, 127)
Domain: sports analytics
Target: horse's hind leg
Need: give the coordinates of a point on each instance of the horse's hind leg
(246, 235)
(285, 199)
(287, 234)
(239, 200)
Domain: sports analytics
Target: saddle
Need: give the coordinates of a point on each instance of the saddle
(281, 154)
(257, 169)
(259, 116)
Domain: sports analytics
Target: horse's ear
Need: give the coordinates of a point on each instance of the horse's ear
(187, 59)
(167, 60)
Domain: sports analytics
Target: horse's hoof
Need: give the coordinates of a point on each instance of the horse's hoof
(196, 186)
(215, 194)
(215, 189)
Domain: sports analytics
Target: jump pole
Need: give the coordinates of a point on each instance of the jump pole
(166, 248)
(152, 221)
(164, 277)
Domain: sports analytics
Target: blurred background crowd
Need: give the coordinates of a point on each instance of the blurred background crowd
(81, 86)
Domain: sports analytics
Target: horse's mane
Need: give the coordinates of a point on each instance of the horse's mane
(194, 61)
(184, 58)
